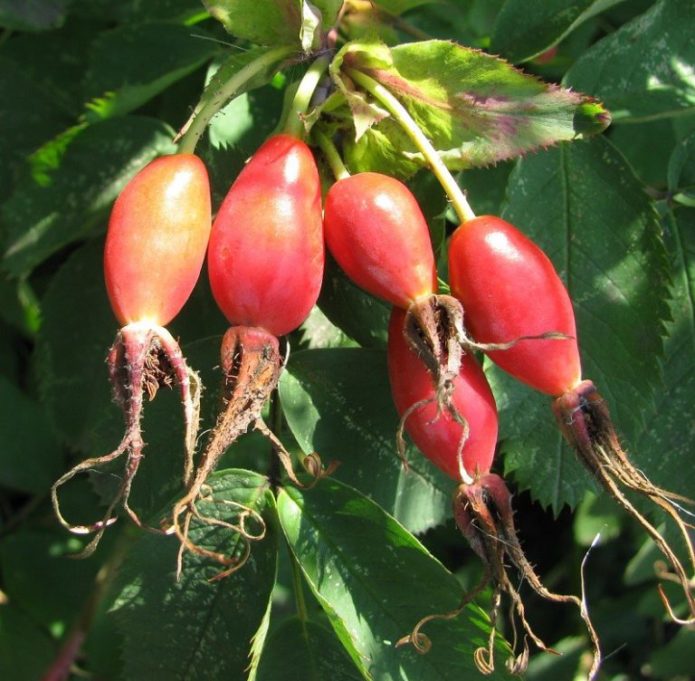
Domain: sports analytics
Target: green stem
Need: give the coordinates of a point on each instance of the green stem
(412, 129)
(193, 130)
(332, 156)
(298, 587)
(294, 125)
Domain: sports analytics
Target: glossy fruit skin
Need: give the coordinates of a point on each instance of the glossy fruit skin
(509, 288)
(266, 253)
(156, 240)
(438, 437)
(378, 235)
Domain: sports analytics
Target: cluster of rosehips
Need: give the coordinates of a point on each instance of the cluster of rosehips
(265, 255)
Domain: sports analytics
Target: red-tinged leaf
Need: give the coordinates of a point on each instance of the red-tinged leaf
(475, 108)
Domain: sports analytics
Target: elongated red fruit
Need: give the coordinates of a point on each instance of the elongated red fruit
(376, 232)
(156, 240)
(439, 436)
(155, 247)
(266, 252)
(509, 289)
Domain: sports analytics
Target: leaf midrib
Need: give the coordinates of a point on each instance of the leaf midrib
(219, 592)
(329, 543)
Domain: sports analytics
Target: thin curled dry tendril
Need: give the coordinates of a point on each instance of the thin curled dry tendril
(251, 364)
(421, 642)
(312, 462)
(585, 422)
(455, 415)
(484, 514)
(484, 657)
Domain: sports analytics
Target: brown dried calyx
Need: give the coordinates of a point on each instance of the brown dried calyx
(434, 330)
(142, 359)
(483, 512)
(251, 365)
(585, 422)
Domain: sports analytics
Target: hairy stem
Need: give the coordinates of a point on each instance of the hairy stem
(294, 124)
(192, 131)
(340, 172)
(251, 364)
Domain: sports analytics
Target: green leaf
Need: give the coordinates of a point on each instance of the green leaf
(531, 447)
(204, 627)
(475, 108)
(565, 665)
(681, 172)
(43, 578)
(361, 316)
(317, 331)
(71, 351)
(19, 306)
(305, 650)
(375, 582)
(397, 7)
(524, 30)
(663, 444)
(46, 160)
(30, 458)
(647, 147)
(25, 649)
(276, 22)
(103, 648)
(329, 10)
(258, 640)
(57, 67)
(242, 126)
(676, 658)
(33, 15)
(485, 187)
(582, 204)
(10, 362)
(135, 62)
(182, 11)
(337, 402)
(39, 220)
(468, 23)
(644, 69)
(594, 515)
(269, 23)
(28, 118)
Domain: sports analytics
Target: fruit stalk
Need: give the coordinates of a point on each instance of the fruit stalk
(251, 362)
(194, 128)
(413, 130)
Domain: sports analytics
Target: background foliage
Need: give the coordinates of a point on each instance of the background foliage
(93, 90)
